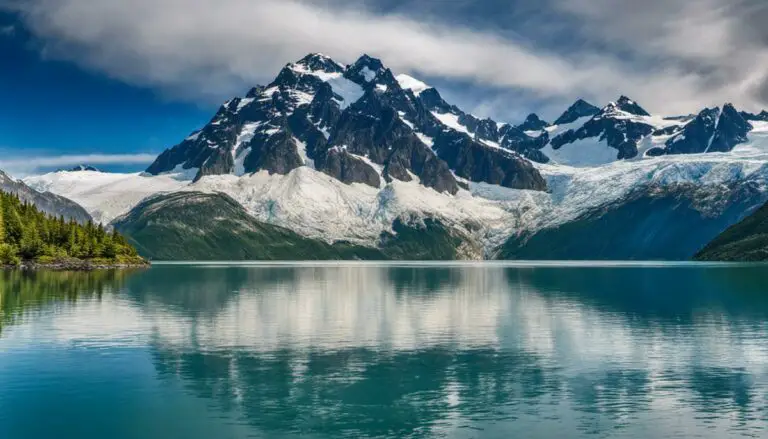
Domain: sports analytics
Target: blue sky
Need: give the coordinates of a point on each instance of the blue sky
(54, 110)
(130, 78)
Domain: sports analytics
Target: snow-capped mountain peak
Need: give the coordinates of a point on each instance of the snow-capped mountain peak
(81, 168)
(628, 105)
(533, 123)
(577, 110)
(317, 62)
(355, 123)
(365, 69)
(363, 124)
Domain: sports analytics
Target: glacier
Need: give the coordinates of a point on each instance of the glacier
(316, 205)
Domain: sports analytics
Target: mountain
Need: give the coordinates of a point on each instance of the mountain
(358, 157)
(713, 130)
(651, 223)
(180, 226)
(358, 124)
(579, 109)
(532, 123)
(198, 226)
(746, 241)
(47, 202)
(84, 168)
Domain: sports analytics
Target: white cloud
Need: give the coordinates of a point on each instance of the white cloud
(208, 49)
(25, 165)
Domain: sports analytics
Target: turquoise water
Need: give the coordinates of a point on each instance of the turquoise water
(449, 351)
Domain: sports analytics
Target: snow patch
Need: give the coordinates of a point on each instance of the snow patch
(451, 121)
(302, 150)
(245, 136)
(491, 144)
(244, 103)
(194, 136)
(556, 130)
(410, 83)
(368, 74)
(430, 142)
(582, 153)
(347, 90)
(240, 161)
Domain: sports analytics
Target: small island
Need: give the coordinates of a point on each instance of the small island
(31, 239)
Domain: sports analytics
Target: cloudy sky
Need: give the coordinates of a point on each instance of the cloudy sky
(135, 76)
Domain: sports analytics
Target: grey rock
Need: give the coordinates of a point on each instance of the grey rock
(532, 123)
(712, 130)
(579, 109)
(349, 169)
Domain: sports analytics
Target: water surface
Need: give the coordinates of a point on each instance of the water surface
(449, 351)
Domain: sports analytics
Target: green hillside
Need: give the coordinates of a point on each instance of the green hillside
(746, 241)
(205, 226)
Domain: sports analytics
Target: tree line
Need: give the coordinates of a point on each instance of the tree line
(27, 234)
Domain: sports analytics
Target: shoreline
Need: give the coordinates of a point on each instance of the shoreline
(71, 266)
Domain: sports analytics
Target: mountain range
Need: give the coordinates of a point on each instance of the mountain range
(368, 164)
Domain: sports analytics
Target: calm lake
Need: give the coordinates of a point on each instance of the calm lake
(429, 351)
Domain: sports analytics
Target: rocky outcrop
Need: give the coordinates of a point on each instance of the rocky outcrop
(762, 116)
(579, 109)
(532, 123)
(472, 161)
(713, 130)
(627, 105)
(412, 157)
(277, 154)
(347, 168)
(80, 168)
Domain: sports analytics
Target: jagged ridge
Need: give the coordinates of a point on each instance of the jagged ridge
(358, 124)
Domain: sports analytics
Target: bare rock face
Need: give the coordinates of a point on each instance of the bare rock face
(713, 130)
(350, 169)
(475, 162)
(412, 157)
(278, 155)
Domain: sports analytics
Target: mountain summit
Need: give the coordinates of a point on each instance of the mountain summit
(358, 124)
(629, 106)
(579, 109)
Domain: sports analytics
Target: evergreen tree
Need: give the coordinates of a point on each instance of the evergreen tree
(29, 234)
(2, 225)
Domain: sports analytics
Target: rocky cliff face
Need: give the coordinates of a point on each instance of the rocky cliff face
(713, 130)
